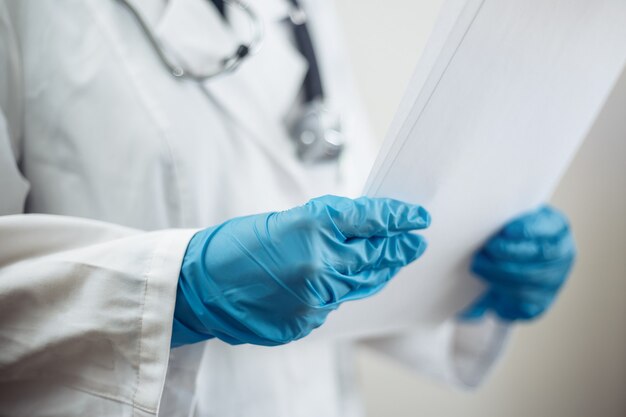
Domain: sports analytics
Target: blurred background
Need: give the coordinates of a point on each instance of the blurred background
(572, 363)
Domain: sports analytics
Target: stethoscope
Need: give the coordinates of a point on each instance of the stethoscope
(316, 131)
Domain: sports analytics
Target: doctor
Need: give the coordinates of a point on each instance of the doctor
(122, 184)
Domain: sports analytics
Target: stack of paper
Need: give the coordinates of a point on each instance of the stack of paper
(498, 105)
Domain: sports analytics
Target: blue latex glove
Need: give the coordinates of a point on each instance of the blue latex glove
(524, 266)
(272, 278)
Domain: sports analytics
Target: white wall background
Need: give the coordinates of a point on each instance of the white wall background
(572, 363)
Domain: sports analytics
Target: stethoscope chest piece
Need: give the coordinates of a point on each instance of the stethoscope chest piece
(317, 134)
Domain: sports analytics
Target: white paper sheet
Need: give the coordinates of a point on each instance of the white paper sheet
(500, 102)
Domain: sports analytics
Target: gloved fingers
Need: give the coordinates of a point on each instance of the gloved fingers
(549, 274)
(524, 304)
(368, 217)
(545, 222)
(368, 264)
(531, 250)
(510, 305)
(367, 283)
(379, 252)
(338, 287)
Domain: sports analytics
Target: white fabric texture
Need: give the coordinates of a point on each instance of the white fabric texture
(457, 353)
(85, 305)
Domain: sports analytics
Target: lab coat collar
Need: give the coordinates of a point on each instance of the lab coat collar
(150, 10)
(196, 33)
(260, 92)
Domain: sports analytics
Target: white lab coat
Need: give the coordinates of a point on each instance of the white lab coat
(122, 164)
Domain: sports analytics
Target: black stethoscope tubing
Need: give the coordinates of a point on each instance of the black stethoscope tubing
(313, 88)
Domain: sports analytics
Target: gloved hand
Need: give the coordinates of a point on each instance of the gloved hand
(524, 266)
(272, 278)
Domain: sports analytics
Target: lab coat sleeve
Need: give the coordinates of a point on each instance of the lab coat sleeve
(458, 353)
(85, 307)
